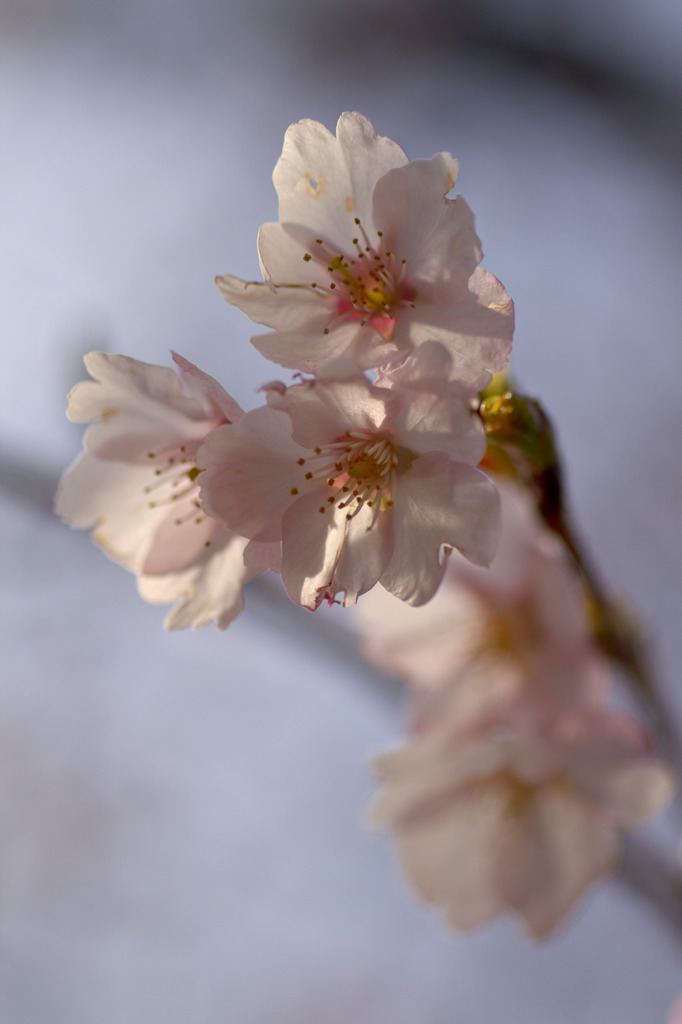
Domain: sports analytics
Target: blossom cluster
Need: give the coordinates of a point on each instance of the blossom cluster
(364, 470)
(518, 775)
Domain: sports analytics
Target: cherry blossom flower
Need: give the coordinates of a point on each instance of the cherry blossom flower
(519, 629)
(517, 820)
(135, 485)
(362, 484)
(370, 259)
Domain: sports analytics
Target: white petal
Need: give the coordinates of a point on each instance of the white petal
(555, 849)
(639, 792)
(184, 539)
(323, 182)
(449, 256)
(311, 352)
(364, 555)
(207, 389)
(368, 157)
(423, 774)
(110, 498)
(409, 202)
(140, 408)
(449, 857)
(282, 260)
(322, 411)
(312, 534)
(259, 556)
(206, 593)
(249, 470)
(477, 332)
(431, 646)
(286, 308)
(436, 413)
(438, 502)
(630, 791)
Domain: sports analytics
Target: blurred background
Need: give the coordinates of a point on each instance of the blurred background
(180, 814)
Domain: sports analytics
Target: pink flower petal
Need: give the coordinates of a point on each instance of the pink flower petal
(249, 470)
(312, 535)
(409, 203)
(439, 503)
(555, 847)
(209, 591)
(312, 352)
(207, 389)
(137, 407)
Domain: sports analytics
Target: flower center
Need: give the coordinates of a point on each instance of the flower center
(357, 471)
(368, 286)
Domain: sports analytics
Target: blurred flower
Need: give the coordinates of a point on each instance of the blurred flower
(369, 259)
(511, 819)
(360, 483)
(488, 637)
(135, 485)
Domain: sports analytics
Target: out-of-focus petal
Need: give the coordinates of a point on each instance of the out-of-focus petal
(109, 498)
(553, 849)
(450, 858)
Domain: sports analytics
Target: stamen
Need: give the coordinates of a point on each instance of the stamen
(358, 470)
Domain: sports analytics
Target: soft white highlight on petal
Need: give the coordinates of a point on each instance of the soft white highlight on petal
(109, 498)
(312, 538)
(317, 174)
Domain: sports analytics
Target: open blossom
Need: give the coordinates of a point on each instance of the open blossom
(517, 821)
(361, 484)
(518, 630)
(370, 259)
(135, 485)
